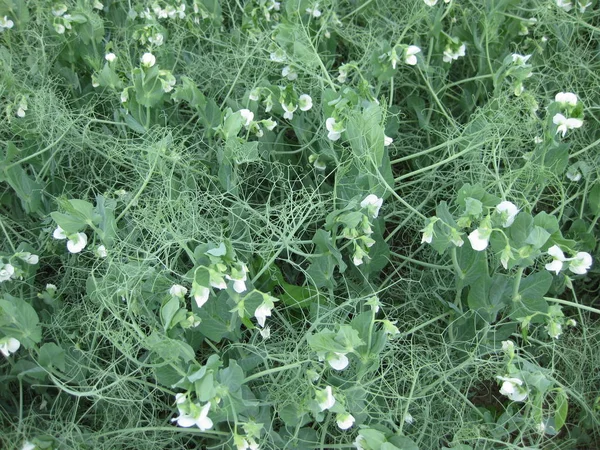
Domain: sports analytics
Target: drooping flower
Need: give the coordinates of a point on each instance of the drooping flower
(261, 314)
(554, 329)
(269, 124)
(77, 242)
(157, 39)
(387, 141)
(508, 211)
(148, 60)
(22, 108)
(359, 255)
(451, 53)
(239, 278)
(200, 294)
(247, 115)
(334, 128)
(178, 290)
(567, 5)
(201, 419)
(566, 98)
(289, 72)
(6, 272)
(265, 332)
(565, 124)
(480, 238)
(5, 23)
(558, 258)
(513, 389)
(580, 263)
(101, 251)
(344, 421)
(520, 60)
(325, 398)
(338, 361)
(410, 55)
(289, 110)
(28, 257)
(110, 57)
(305, 102)
(408, 419)
(9, 345)
(373, 204)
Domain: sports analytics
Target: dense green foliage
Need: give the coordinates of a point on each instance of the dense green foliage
(299, 225)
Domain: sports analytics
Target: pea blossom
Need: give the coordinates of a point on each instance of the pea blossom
(513, 389)
(325, 398)
(261, 314)
(452, 54)
(200, 294)
(7, 271)
(178, 290)
(289, 110)
(334, 128)
(480, 238)
(148, 60)
(565, 124)
(338, 361)
(305, 102)
(566, 98)
(344, 421)
(372, 203)
(110, 57)
(580, 263)
(76, 242)
(9, 345)
(247, 115)
(5, 23)
(558, 258)
(508, 211)
(410, 55)
(200, 418)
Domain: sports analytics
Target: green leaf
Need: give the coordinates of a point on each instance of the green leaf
(27, 189)
(299, 296)
(325, 341)
(320, 271)
(148, 89)
(520, 230)
(52, 355)
(538, 237)
(168, 311)
(472, 263)
(170, 350)
(19, 320)
(561, 409)
(68, 223)
(594, 199)
(232, 376)
(475, 191)
(547, 222)
(349, 337)
(535, 285)
(365, 135)
(402, 443)
(189, 92)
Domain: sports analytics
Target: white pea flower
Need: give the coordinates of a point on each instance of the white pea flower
(239, 278)
(305, 102)
(59, 28)
(571, 323)
(430, 2)
(390, 328)
(344, 421)
(567, 5)
(59, 9)
(148, 60)
(508, 211)
(480, 238)
(573, 174)
(6, 272)
(265, 332)
(451, 54)
(554, 329)
(254, 95)
(247, 115)
(513, 389)
(373, 204)
(110, 57)
(582, 8)
(289, 73)
(520, 60)
(537, 140)
(29, 258)
(77, 242)
(101, 251)
(316, 13)
(269, 124)
(9, 345)
(5, 23)
(289, 110)
(261, 314)
(98, 5)
(157, 39)
(325, 398)
(408, 419)
(566, 98)
(565, 124)
(508, 346)
(124, 96)
(581, 263)
(22, 108)
(180, 398)
(278, 56)
(387, 141)
(200, 294)
(334, 128)
(178, 290)
(28, 446)
(359, 255)
(201, 420)
(557, 261)
(338, 361)
(410, 55)
(343, 74)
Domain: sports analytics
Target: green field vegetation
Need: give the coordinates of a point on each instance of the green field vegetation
(304, 224)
